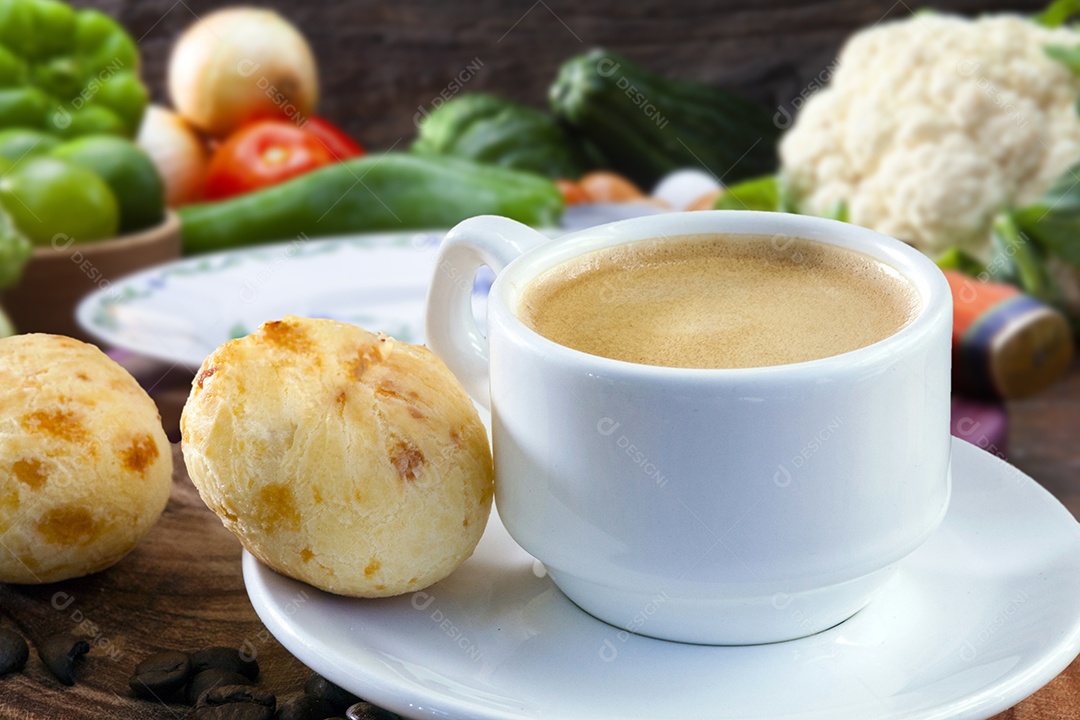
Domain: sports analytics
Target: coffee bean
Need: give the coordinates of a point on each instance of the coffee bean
(319, 687)
(229, 694)
(210, 679)
(161, 675)
(59, 653)
(13, 651)
(224, 658)
(235, 711)
(366, 711)
(235, 702)
(305, 707)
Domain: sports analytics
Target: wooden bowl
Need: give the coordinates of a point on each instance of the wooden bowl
(56, 279)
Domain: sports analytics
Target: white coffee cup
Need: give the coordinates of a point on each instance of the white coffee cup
(727, 506)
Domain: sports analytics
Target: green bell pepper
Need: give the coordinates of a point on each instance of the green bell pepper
(67, 72)
(19, 143)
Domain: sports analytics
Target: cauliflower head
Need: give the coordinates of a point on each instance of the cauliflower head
(932, 125)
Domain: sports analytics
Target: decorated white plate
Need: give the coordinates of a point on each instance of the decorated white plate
(180, 312)
(978, 618)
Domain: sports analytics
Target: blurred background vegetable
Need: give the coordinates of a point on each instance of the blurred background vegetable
(242, 64)
(17, 143)
(179, 154)
(56, 201)
(268, 152)
(6, 328)
(933, 125)
(1005, 344)
(67, 72)
(690, 189)
(490, 129)
(129, 173)
(603, 186)
(70, 100)
(333, 138)
(15, 249)
(399, 190)
(646, 126)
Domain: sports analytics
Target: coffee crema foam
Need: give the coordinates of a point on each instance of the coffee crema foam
(719, 301)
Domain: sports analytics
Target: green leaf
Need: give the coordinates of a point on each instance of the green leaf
(761, 193)
(788, 203)
(960, 260)
(1017, 260)
(838, 212)
(1057, 13)
(1054, 220)
(1069, 57)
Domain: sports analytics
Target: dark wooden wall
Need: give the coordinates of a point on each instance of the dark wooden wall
(381, 61)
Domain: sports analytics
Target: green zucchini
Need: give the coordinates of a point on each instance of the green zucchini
(394, 191)
(490, 129)
(646, 126)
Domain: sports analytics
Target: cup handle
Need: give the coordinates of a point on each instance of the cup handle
(451, 330)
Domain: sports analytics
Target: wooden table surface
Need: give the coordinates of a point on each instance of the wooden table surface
(182, 589)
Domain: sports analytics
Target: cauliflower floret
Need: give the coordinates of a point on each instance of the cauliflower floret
(933, 124)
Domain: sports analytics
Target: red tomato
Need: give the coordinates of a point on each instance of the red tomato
(340, 145)
(261, 154)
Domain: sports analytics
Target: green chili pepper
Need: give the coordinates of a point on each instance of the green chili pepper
(68, 72)
(395, 191)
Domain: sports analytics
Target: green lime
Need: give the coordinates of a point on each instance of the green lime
(6, 328)
(19, 143)
(15, 251)
(128, 171)
(53, 201)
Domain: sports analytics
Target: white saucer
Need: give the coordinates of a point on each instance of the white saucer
(980, 617)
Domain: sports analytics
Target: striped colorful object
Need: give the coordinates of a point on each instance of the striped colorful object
(1005, 344)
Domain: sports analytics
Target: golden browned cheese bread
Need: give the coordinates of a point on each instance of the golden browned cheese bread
(85, 467)
(339, 457)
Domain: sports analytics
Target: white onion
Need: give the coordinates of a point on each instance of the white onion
(178, 153)
(242, 64)
(681, 188)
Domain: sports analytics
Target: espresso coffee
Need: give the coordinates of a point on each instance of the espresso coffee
(719, 301)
